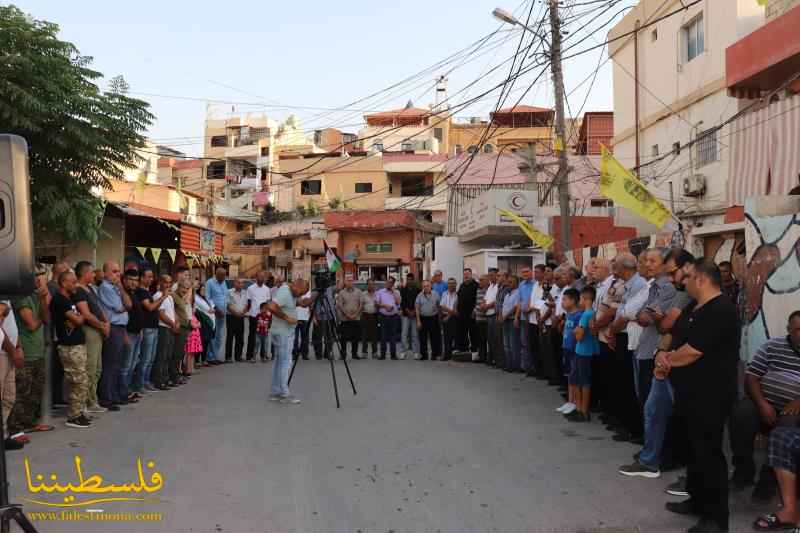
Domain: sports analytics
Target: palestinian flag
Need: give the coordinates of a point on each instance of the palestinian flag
(334, 263)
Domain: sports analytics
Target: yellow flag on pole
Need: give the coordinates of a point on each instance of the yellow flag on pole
(619, 184)
(544, 241)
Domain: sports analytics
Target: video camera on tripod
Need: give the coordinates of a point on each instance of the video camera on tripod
(323, 278)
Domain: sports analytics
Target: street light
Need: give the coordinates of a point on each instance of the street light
(504, 16)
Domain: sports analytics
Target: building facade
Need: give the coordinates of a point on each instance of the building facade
(670, 95)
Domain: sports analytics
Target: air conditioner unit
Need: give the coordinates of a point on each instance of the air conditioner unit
(298, 253)
(419, 251)
(694, 185)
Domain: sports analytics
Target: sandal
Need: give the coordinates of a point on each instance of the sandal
(39, 428)
(771, 522)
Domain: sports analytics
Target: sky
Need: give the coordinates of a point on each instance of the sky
(261, 55)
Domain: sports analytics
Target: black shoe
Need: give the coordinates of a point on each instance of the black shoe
(686, 507)
(78, 422)
(357, 357)
(622, 436)
(393, 357)
(305, 358)
(639, 441)
(12, 444)
(707, 526)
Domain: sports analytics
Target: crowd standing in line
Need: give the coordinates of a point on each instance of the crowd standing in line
(648, 345)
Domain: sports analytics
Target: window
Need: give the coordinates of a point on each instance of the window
(415, 186)
(654, 35)
(311, 187)
(601, 202)
(488, 149)
(459, 149)
(377, 145)
(219, 140)
(693, 39)
(472, 149)
(654, 150)
(264, 151)
(349, 138)
(407, 146)
(379, 248)
(676, 148)
(438, 134)
(216, 170)
(706, 147)
(363, 187)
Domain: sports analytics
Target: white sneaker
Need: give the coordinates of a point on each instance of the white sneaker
(289, 399)
(563, 407)
(475, 357)
(571, 407)
(96, 409)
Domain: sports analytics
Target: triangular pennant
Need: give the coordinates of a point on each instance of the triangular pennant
(156, 253)
(172, 253)
(142, 250)
(190, 261)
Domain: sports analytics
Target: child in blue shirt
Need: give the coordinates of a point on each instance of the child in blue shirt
(572, 315)
(586, 347)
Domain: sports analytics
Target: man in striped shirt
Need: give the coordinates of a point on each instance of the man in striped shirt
(773, 388)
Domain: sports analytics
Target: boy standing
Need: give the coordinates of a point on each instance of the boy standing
(262, 345)
(572, 315)
(586, 348)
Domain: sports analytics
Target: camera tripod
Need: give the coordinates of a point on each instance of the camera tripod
(332, 329)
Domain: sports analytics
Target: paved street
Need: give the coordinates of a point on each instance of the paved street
(424, 447)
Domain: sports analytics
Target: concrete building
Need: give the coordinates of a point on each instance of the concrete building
(334, 140)
(670, 93)
(404, 130)
(515, 127)
(416, 183)
(321, 180)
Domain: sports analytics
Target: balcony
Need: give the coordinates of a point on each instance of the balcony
(764, 59)
(424, 203)
(243, 151)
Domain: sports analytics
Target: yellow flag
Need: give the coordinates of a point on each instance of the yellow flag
(619, 184)
(544, 241)
(142, 250)
(558, 145)
(172, 253)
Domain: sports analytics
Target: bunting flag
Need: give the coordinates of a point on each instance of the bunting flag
(542, 240)
(142, 250)
(190, 261)
(172, 253)
(156, 253)
(619, 184)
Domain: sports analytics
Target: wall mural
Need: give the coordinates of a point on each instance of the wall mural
(772, 279)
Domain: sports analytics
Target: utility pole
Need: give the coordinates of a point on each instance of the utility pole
(560, 126)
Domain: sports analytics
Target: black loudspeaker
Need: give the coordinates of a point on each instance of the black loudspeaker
(16, 228)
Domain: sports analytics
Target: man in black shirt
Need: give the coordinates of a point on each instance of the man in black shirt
(67, 322)
(147, 348)
(702, 364)
(467, 298)
(130, 360)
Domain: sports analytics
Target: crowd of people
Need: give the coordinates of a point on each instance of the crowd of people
(647, 345)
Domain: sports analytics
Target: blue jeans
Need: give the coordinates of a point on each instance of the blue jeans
(219, 339)
(147, 357)
(511, 345)
(262, 346)
(301, 338)
(283, 343)
(657, 410)
(409, 336)
(130, 360)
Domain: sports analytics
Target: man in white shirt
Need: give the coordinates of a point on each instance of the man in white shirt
(168, 328)
(237, 310)
(257, 294)
(301, 329)
(490, 302)
(536, 369)
(448, 305)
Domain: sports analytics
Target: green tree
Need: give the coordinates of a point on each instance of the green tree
(79, 137)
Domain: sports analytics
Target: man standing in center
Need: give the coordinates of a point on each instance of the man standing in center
(427, 304)
(237, 310)
(449, 308)
(257, 294)
(348, 307)
(409, 336)
(217, 292)
(388, 302)
(115, 302)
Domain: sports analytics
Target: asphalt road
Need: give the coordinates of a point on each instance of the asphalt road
(423, 447)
